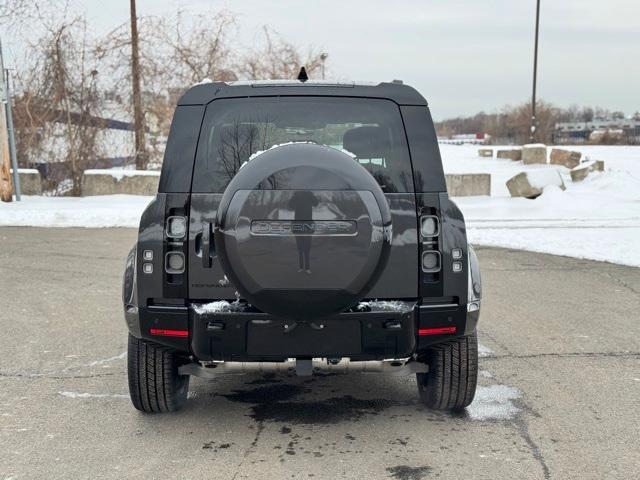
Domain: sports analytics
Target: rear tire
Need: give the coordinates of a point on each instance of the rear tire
(154, 383)
(451, 381)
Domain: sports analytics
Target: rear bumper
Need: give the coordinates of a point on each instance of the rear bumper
(382, 330)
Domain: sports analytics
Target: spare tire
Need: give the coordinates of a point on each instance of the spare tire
(303, 231)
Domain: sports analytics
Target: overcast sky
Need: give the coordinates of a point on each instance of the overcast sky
(463, 56)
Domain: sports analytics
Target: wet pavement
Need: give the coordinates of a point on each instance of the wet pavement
(558, 397)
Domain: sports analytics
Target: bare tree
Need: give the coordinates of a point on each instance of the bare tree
(276, 58)
(56, 111)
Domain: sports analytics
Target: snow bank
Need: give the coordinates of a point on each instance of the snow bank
(90, 212)
(596, 219)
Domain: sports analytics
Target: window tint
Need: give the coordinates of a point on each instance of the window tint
(234, 130)
(425, 153)
(179, 154)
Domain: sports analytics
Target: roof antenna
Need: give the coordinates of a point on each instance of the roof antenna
(302, 76)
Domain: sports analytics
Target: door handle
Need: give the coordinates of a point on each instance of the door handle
(206, 245)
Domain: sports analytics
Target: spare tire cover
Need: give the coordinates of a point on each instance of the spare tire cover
(303, 231)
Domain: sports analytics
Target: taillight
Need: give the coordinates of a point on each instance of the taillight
(174, 263)
(431, 261)
(429, 226)
(176, 227)
(430, 258)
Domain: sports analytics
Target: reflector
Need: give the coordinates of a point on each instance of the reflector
(436, 331)
(169, 333)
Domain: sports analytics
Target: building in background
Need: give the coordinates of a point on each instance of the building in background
(466, 138)
(621, 130)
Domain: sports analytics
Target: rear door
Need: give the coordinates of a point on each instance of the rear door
(235, 130)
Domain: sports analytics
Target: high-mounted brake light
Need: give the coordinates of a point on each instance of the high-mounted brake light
(436, 331)
(169, 333)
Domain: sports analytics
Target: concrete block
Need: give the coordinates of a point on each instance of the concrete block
(580, 172)
(30, 181)
(485, 152)
(512, 154)
(110, 182)
(468, 184)
(534, 153)
(568, 158)
(531, 184)
(583, 170)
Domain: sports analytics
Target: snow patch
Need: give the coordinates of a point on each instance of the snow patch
(485, 351)
(385, 305)
(91, 395)
(259, 152)
(541, 178)
(219, 306)
(494, 402)
(204, 81)
(94, 363)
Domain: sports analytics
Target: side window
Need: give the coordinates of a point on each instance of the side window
(177, 166)
(425, 153)
(234, 131)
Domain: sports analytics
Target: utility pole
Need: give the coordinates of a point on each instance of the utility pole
(532, 136)
(6, 189)
(323, 58)
(138, 115)
(11, 134)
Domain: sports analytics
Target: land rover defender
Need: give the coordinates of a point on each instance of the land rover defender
(298, 227)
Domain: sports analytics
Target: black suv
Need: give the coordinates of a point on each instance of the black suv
(299, 227)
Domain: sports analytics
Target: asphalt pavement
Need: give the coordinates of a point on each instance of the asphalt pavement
(559, 391)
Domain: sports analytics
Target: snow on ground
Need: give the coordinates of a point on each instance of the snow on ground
(98, 211)
(596, 219)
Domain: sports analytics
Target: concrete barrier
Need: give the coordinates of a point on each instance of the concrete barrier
(114, 181)
(568, 158)
(30, 181)
(514, 154)
(468, 184)
(532, 183)
(583, 170)
(534, 153)
(485, 152)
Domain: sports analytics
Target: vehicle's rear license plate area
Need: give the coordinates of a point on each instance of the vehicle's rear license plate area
(313, 339)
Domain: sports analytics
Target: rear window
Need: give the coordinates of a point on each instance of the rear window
(235, 129)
